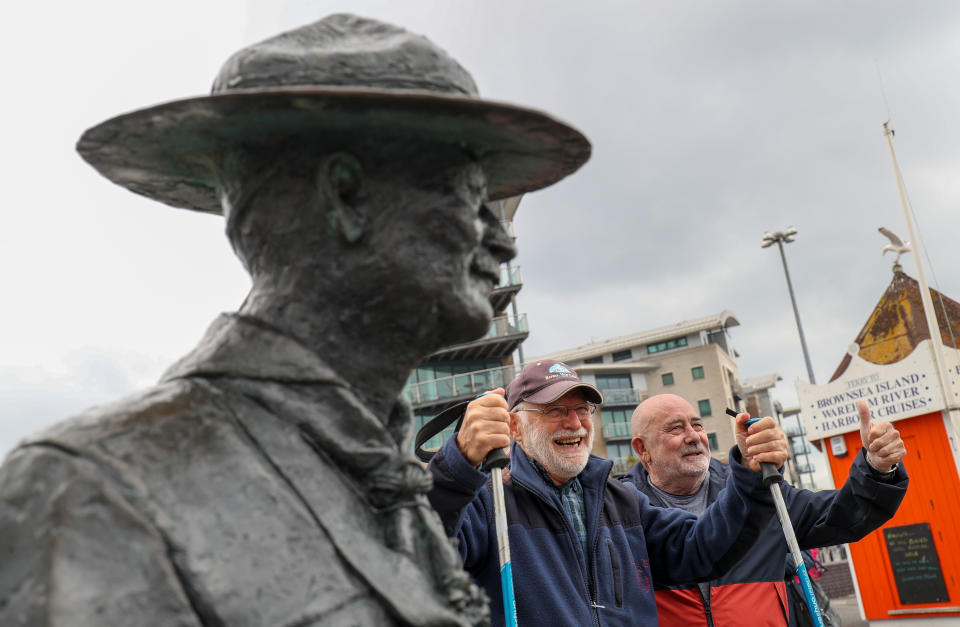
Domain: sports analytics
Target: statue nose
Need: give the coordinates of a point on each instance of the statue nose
(497, 240)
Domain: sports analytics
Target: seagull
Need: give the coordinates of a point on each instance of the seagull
(896, 244)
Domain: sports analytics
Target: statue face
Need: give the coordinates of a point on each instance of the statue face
(441, 250)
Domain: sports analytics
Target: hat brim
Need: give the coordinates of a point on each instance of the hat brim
(557, 389)
(169, 152)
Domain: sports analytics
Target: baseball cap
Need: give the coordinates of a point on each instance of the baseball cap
(545, 381)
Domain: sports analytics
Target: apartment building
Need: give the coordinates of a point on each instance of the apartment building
(691, 359)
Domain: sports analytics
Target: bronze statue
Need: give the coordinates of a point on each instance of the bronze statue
(268, 479)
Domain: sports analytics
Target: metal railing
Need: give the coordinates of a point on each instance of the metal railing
(466, 384)
(794, 431)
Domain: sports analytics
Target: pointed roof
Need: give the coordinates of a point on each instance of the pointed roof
(898, 324)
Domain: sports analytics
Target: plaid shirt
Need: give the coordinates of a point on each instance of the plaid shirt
(571, 496)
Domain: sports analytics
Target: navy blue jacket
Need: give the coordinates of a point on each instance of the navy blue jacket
(632, 544)
(821, 518)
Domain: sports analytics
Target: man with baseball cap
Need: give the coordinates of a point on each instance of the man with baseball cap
(586, 549)
(269, 478)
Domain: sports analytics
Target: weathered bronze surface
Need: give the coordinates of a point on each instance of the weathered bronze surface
(268, 479)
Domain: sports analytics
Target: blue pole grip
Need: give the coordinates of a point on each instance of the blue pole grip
(807, 586)
(770, 473)
(509, 603)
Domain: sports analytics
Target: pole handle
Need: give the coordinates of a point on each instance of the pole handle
(497, 458)
(770, 473)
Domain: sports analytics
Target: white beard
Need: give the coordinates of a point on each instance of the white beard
(538, 444)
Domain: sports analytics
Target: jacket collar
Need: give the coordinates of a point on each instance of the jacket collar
(639, 476)
(593, 476)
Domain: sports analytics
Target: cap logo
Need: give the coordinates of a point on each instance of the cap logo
(559, 368)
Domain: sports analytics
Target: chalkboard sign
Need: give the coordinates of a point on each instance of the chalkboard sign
(916, 567)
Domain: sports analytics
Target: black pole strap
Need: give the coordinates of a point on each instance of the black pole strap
(437, 424)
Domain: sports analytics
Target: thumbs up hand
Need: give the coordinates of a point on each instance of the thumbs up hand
(884, 447)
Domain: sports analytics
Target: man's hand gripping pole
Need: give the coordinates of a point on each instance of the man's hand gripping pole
(772, 478)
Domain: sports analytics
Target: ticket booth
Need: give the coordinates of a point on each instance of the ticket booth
(907, 572)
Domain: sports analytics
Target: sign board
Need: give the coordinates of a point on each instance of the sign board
(915, 564)
(907, 388)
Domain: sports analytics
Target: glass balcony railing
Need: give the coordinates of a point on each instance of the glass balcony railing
(507, 325)
(616, 430)
(622, 396)
(805, 468)
(510, 276)
(793, 431)
(621, 465)
(460, 385)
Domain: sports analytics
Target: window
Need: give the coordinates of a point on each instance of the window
(616, 414)
(667, 345)
(667, 378)
(594, 360)
(712, 439)
(704, 407)
(620, 450)
(614, 381)
(622, 355)
(697, 372)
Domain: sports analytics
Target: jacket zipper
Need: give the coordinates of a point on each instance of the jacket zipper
(570, 534)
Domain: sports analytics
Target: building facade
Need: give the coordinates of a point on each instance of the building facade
(691, 359)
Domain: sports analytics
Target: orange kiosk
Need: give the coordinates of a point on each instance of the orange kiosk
(908, 572)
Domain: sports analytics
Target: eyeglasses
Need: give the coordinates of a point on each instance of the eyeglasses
(559, 412)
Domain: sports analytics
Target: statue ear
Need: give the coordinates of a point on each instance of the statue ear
(340, 179)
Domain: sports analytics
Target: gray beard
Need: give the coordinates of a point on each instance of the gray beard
(538, 444)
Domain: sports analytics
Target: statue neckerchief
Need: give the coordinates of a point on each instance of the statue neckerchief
(239, 502)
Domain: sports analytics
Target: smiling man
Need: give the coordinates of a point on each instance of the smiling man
(586, 548)
(676, 471)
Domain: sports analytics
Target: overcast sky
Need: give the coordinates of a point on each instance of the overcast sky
(711, 123)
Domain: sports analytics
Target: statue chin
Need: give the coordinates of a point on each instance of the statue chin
(464, 323)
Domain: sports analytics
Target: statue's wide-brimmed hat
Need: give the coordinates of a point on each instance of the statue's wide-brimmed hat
(339, 78)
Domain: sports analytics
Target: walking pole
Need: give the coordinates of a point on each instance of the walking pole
(496, 461)
(772, 478)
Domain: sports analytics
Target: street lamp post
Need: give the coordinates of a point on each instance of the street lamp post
(781, 238)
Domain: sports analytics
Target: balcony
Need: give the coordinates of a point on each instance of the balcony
(458, 387)
(616, 430)
(794, 431)
(510, 283)
(621, 465)
(503, 337)
(622, 396)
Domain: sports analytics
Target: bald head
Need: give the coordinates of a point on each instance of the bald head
(669, 440)
(647, 411)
